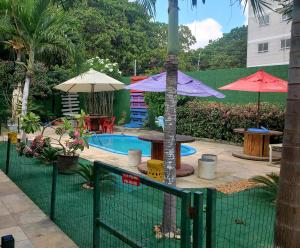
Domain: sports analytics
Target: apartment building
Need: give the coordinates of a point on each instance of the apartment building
(268, 39)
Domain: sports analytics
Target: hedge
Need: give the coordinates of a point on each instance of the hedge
(214, 79)
(214, 120)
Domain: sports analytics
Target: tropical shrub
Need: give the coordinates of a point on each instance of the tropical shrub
(268, 183)
(49, 154)
(217, 120)
(30, 123)
(86, 171)
(103, 65)
(76, 140)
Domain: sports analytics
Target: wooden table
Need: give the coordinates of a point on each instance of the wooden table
(157, 152)
(256, 144)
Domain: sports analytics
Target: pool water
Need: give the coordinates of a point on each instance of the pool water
(122, 143)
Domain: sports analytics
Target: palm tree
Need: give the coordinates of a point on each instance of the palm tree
(38, 28)
(287, 228)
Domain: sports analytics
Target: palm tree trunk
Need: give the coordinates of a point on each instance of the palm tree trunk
(169, 213)
(28, 77)
(16, 97)
(287, 227)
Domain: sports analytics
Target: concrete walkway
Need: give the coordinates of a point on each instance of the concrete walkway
(20, 217)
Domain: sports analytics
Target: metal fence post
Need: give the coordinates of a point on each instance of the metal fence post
(53, 191)
(198, 220)
(185, 220)
(7, 156)
(7, 241)
(211, 218)
(18, 124)
(96, 209)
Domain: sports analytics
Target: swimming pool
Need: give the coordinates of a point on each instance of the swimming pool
(120, 144)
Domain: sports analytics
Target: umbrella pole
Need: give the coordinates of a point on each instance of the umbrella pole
(258, 111)
(93, 97)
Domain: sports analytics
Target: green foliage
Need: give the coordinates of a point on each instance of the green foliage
(216, 120)
(38, 28)
(214, 79)
(123, 32)
(104, 66)
(155, 102)
(30, 123)
(268, 183)
(77, 139)
(122, 120)
(86, 171)
(49, 154)
(230, 51)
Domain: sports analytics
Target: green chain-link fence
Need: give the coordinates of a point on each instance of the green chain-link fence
(241, 220)
(129, 211)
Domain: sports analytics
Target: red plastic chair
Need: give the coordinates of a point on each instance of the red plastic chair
(101, 122)
(108, 125)
(87, 122)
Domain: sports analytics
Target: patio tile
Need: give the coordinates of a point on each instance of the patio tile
(29, 217)
(7, 221)
(3, 177)
(23, 244)
(41, 228)
(16, 231)
(7, 188)
(3, 209)
(51, 240)
(20, 217)
(16, 203)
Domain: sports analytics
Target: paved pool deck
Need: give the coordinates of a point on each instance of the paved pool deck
(30, 227)
(229, 168)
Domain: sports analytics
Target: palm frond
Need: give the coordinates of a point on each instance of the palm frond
(85, 170)
(286, 8)
(149, 6)
(268, 183)
(6, 27)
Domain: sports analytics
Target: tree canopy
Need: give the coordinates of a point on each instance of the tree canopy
(227, 52)
(122, 32)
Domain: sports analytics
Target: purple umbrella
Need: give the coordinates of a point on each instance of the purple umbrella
(187, 86)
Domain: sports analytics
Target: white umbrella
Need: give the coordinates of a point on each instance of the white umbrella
(90, 81)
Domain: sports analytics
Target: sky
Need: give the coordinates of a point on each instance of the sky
(207, 21)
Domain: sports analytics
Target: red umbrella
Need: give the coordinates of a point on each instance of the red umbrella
(258, 82)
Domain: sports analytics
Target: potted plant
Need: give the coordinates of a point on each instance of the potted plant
(85, 170)
(63, 147)
(49, 154)
(70, 140)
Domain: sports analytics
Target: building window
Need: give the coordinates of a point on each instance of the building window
(263, 47)
(264, 20)
(285, 44)
(286, 17)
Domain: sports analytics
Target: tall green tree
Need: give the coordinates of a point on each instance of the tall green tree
(39, 29)
(228, 51)
(287, 227)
